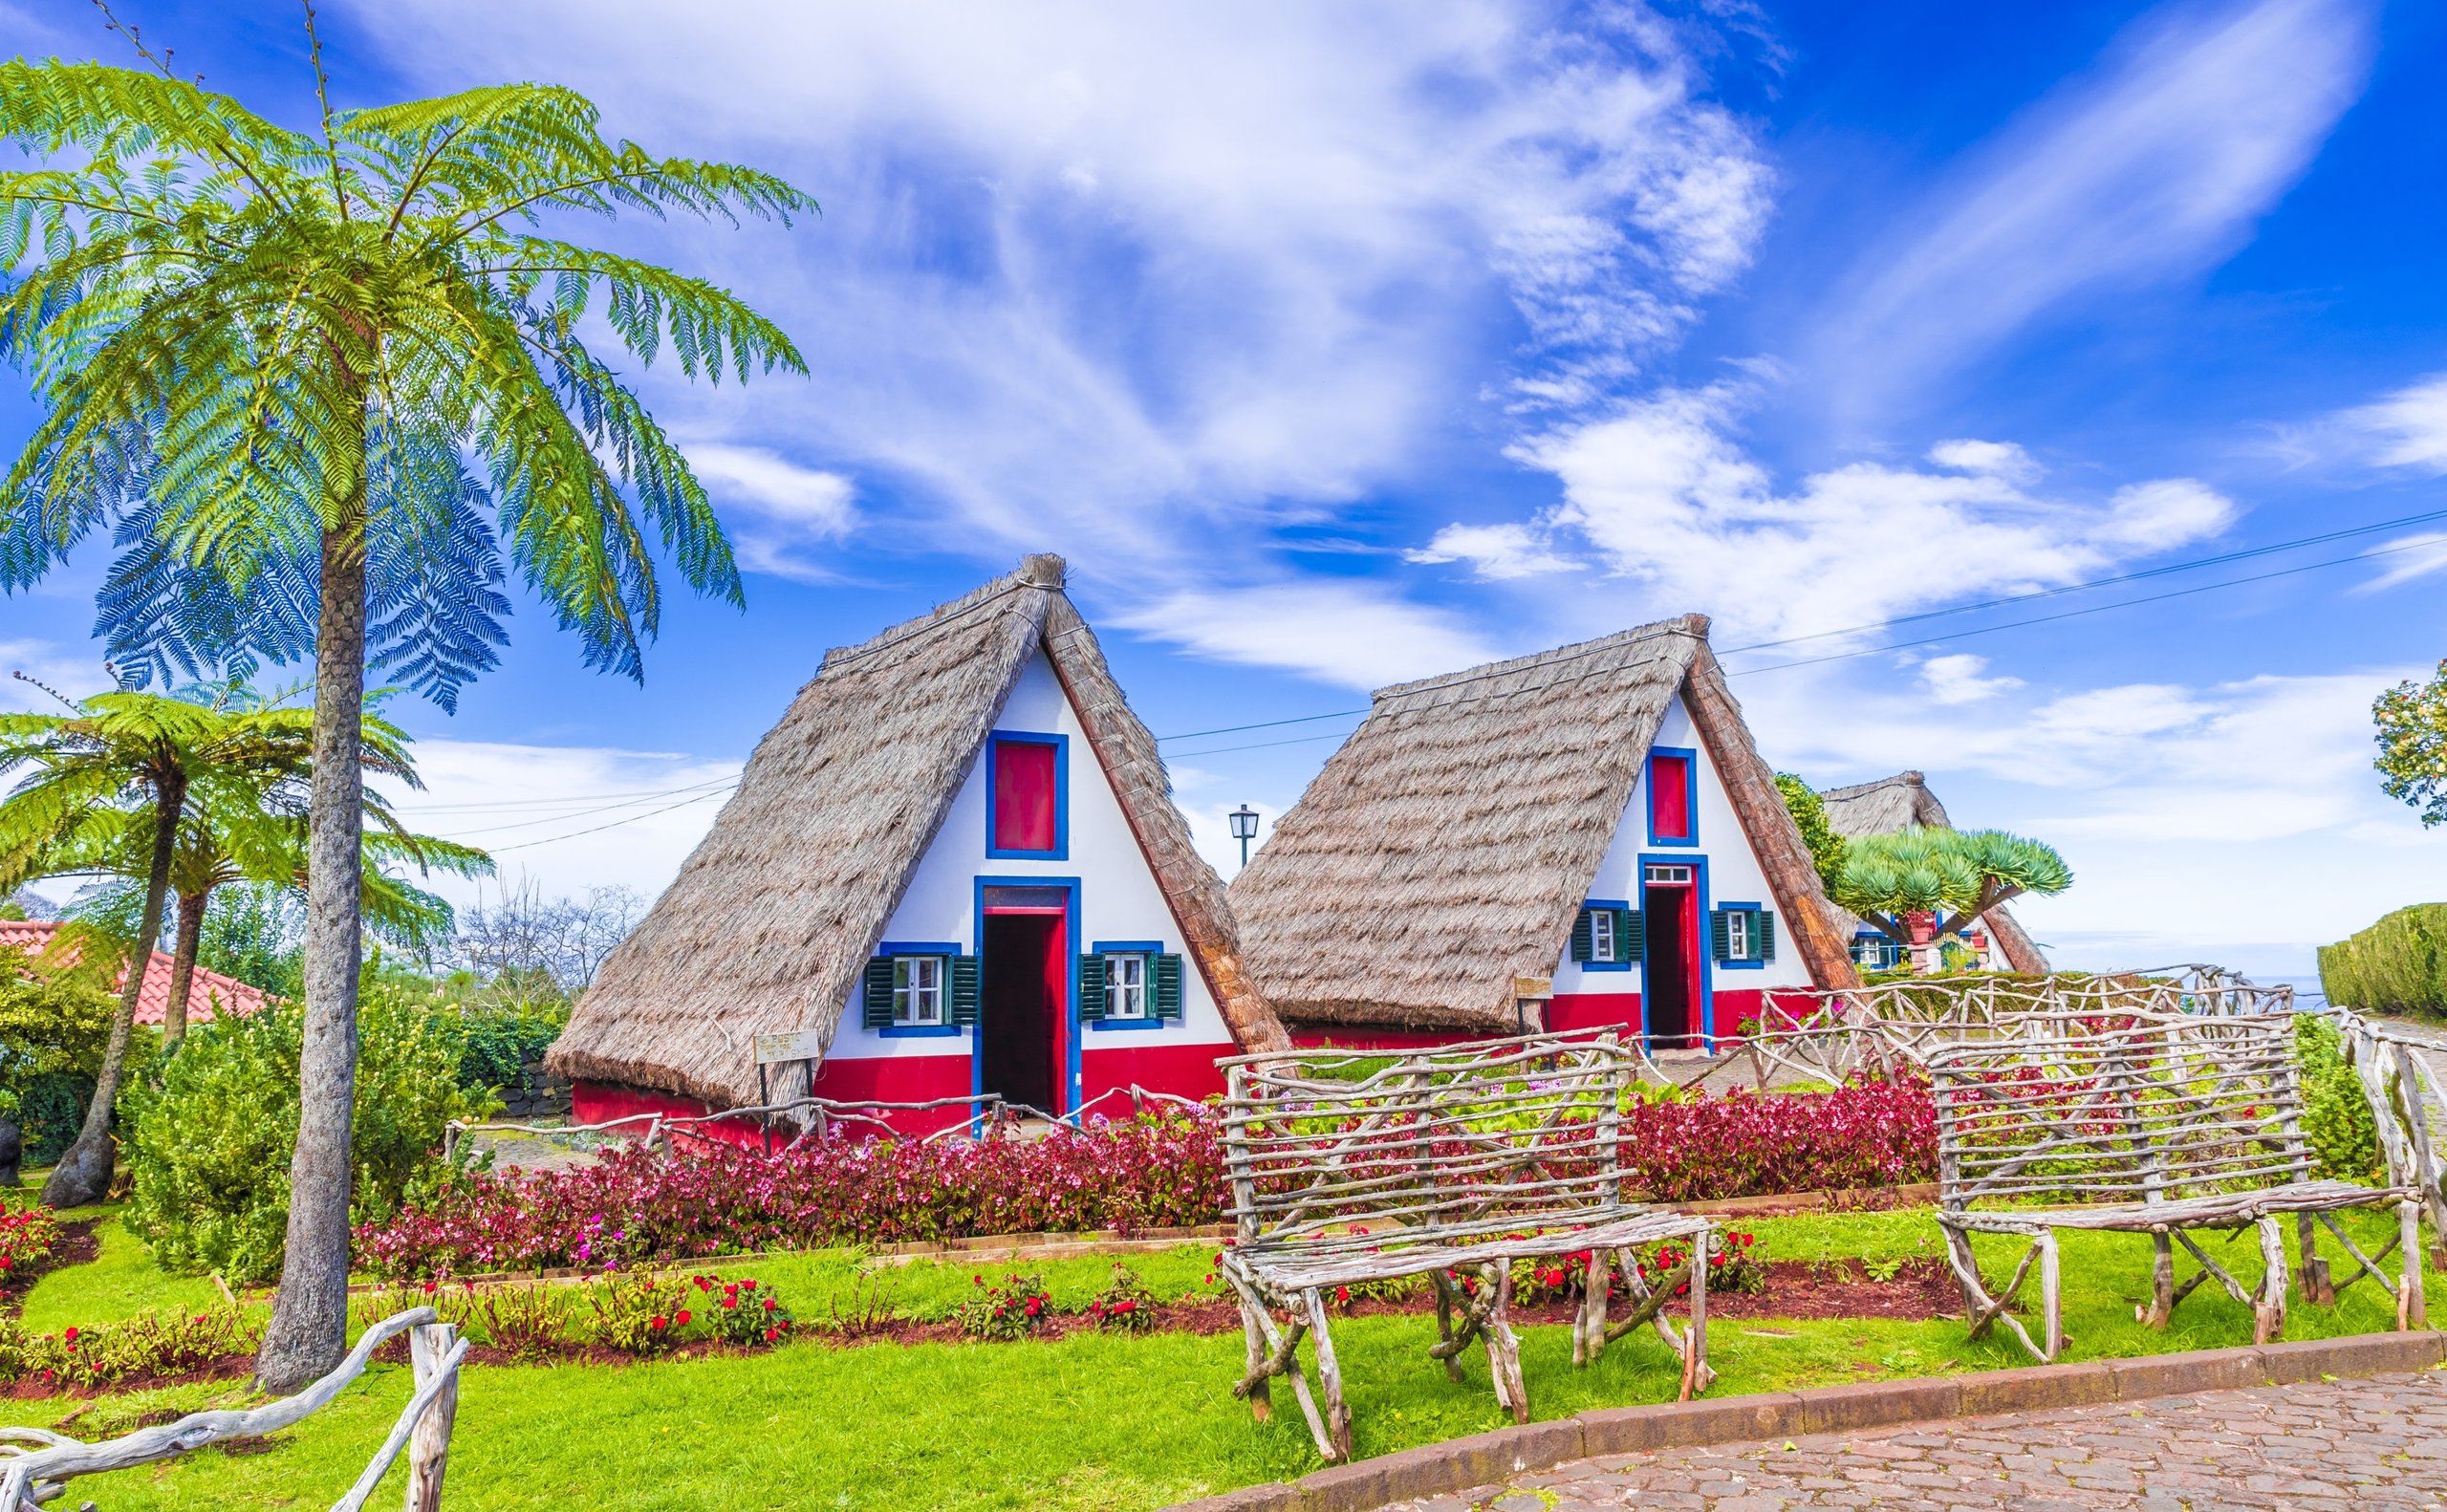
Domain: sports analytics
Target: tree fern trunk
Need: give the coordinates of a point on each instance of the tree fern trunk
(83, 1175)
(174, 1015)
(308, 1331)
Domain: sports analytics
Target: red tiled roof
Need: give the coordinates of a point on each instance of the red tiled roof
(209, 994)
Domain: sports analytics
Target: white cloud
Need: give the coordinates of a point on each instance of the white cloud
(2235, 821)
(1494, 551)
(1955, 679)
(2153, 168)
(569, 818)
(1345, 633)
(74, 671)
(2407, 429)
(787, 506)
(1098, 277)
(1665, 495)
(2413, 556)
(2000, 459)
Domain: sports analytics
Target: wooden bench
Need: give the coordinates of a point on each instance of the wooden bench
(1351, 1167)
(2161, 1127)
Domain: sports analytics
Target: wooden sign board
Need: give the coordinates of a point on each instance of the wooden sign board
(775, 1049)
(1533, 988)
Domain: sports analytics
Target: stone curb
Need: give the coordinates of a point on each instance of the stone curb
(1461, 1464)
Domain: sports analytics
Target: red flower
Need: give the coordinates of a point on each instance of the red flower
(684, 1317)
(749, 1283)
(730, 1304)
(70, 1335)
(771, 1334)
(1342, 1293)
(771, 1304)
(657, 1325)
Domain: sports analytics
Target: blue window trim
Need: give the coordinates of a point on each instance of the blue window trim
(1742, 908)
(1131, 948)
(1069, 1093)
(1707, 1003)
(1061, 744)
(945, 948)
(1689, 757)
(1588, 904)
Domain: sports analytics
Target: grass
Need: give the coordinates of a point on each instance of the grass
(1091, 1423)
(121, 1283)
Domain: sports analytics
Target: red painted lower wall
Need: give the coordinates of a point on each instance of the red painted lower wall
(1568, 1012)
(901, 1079)
(601, 1102)
(1184, 1071)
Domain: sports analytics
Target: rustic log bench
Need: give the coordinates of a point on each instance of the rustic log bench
(1354, 1167)
(2169, 1125)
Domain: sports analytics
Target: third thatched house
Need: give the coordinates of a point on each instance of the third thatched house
(1898, 803)
(1593, 817)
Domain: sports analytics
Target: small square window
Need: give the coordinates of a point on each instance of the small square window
(1602, 946)
(917, 991)
(1126, 986)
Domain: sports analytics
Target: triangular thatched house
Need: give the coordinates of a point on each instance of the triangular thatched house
(1594, 819)
(952, 869)
(1898, 803)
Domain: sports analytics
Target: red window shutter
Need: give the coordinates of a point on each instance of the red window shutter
(1024, 797)
(1669, 797)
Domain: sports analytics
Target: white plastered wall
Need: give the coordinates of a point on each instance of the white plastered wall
(1119, 899)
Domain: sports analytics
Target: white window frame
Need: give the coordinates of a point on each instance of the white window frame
(917, 990)
(1666, 874)
(1741, 934)
(1602, 944)
(1129, 986)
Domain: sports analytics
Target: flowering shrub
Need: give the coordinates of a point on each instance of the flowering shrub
(1012, 1308)
(148, 1344)
(25, 1238)
(1124, 1306)
(1731, 1267)
(743, 1312)
(1744, 1143)
(634, 1205)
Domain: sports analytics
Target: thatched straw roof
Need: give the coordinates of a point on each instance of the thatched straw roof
(771, 921)
(1446, 848)
(1898, 803)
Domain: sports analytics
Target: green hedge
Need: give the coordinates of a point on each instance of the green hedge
(2398, 963)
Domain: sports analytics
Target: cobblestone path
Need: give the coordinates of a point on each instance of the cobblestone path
(2380, 1443)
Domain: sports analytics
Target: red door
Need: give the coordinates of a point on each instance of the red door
(1025, 980)
(1670, 988)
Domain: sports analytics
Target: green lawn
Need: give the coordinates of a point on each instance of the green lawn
(1092, 1422)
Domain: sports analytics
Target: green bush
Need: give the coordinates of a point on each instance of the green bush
(54, 1025)
(2336, 1111)
(497, 1045)
(2398, 965)
(209, 1141)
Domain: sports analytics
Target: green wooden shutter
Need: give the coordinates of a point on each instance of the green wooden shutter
(1091, 988)
(1719, 935)
(966, 996)
(1584, 937)
(1166, 985)
(1765, 923)
(879, 993)
(1631, 935)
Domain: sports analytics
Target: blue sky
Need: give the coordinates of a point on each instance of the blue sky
(1337, 344)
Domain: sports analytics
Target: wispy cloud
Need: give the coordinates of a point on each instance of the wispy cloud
(1102, 278)
(780, 507)
(1663, 491)
(1495, 553)
(1352, 633)
(2407, 429)
(2154, 165)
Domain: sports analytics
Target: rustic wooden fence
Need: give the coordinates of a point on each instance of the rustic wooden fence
(37, 1464)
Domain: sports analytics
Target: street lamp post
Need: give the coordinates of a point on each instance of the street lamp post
(1244, 828)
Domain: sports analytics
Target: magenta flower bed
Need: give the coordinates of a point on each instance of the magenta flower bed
(637, 1206)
